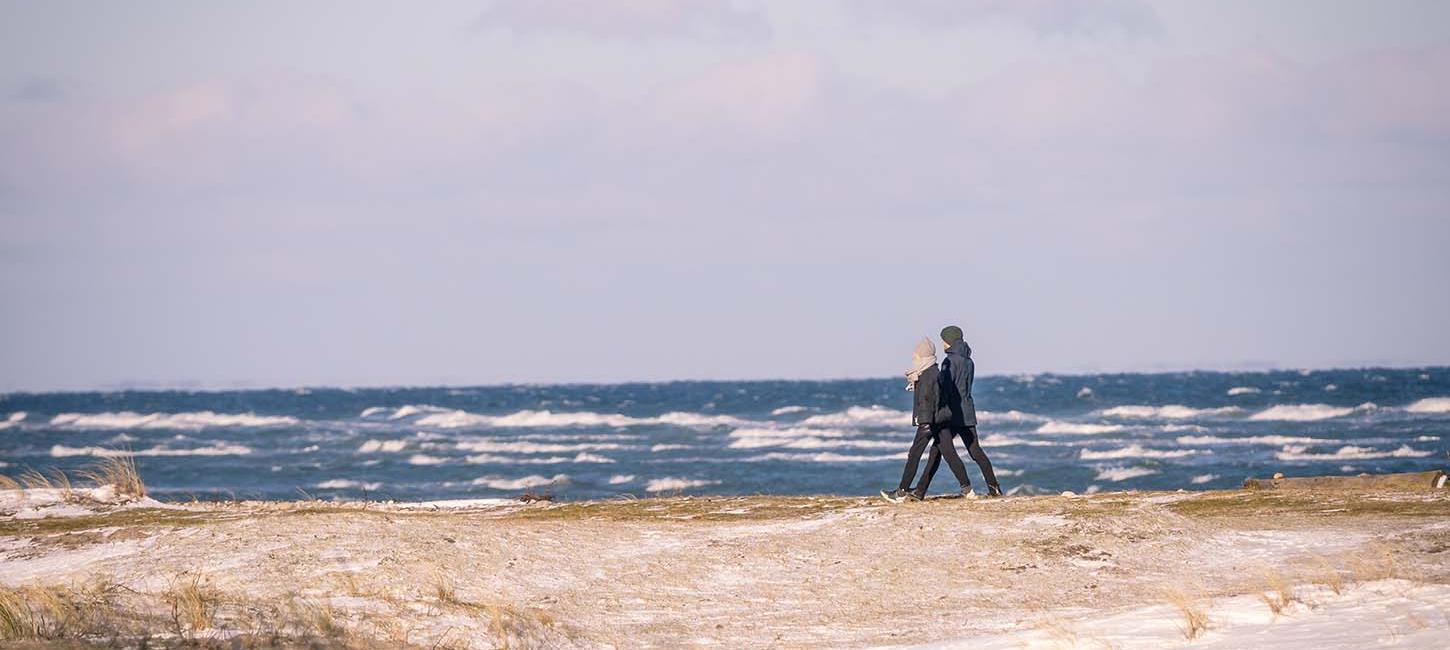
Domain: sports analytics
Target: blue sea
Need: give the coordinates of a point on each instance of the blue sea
(1045, 433)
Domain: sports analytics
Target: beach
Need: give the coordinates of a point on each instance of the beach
(1222, 568)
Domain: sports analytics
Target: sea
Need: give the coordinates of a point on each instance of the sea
(1044, 433)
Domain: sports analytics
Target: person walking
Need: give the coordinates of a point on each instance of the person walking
(957, 372)
(930, 416)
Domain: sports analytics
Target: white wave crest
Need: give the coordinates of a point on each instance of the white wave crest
(532, 419)
(217, 449)
(787, 410)
(196, 420)
(824, 457)
(385, 446)
(1427, 405)
(671, 484)
(1307, 412)
(495, 459)
(425, 459)
(346, 484)
(1350, 452)
(812, 442)
(1123, 473)
(1203, 478)
(1252, 440)
(1169, 412)
(1008, 416)
(14, 419)
(1077, 428)
(526, 447)
(530, 481)
(1243, 390)
(791, 432)
(1137, 451)
(861, 416)
(655, 449)
(620, 479)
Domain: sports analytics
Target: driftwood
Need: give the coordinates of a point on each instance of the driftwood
(1407, 482)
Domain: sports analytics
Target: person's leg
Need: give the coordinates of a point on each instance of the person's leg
(975, 451)
(924, 437)
(933, 463)
(946, 449)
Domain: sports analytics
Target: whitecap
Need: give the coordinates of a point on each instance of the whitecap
(385, 446)
(494, 459)
(1350, 452)
(13, 420)
(217, 449)
(425, 459)
(824, 457)
(654, 449)
(787, 410)
(812, 442)
(1430, 405)
(1084, 392)
(620, 479)
(861, 416)
(1302, 412)
(346, 484)
(1169, 412)
(1077, 428)
(532, 419)
(1243, 390)
(1123, 473)
(1136, 451)
(526, 447)
(672, 484)
(193, 420)
(1253, 440)
(1008, 416)
(1203, 478)
(530, 481)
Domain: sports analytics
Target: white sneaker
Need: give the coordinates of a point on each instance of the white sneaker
(967, 493)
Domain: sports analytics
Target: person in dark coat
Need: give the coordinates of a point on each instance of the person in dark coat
(955, 380)
(930, 416)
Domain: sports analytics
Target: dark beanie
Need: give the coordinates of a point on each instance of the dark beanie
(951, 334)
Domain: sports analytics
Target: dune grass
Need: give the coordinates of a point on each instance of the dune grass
(119, 472)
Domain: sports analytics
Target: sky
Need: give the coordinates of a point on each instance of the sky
(230, 194)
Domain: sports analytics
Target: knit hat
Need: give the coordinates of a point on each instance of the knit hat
(951, 334)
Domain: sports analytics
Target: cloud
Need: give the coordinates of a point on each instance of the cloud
(632, 19)
(1047, 17)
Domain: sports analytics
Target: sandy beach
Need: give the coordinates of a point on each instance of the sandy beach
(1120, 570)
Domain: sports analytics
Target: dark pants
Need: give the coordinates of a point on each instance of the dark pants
(940, 440)
(969, 438)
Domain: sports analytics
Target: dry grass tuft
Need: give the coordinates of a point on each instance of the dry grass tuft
(1325, 574)
(118, 472)
(1195, 618)
(7, 483)
(1280, 594)
(193, 605)
(445, 590)
(32, 479)
(1374, 562)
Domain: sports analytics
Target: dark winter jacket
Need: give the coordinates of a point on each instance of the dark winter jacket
(955, 380)
(928, 407)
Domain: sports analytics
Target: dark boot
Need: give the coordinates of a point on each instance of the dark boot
(994, 490)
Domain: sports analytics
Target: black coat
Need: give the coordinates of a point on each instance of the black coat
(927, 407)
(956, 385)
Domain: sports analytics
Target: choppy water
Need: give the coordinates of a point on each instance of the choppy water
(1045, 433)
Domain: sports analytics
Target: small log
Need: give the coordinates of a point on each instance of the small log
(1406, 482)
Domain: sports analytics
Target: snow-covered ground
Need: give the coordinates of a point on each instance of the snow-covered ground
(1120, 570)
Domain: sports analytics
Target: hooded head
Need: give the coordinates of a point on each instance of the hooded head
(923, 357)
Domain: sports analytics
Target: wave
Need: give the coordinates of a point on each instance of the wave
(526, 447)
(530, 481)
(1243, 390)
(655, 449)
(1000, 440)
(1308, 412)
(1253, 440)
(13, 420)
(672, 484)
(1203, 478)
(1137, 451)
(811, 442)
(1350, 452)
(1116, 474)
(824, 457)
(787, 410)
(218, 449)
(1427, 405)
(1169, 412)
(425, 459)
(494, 459)
(346, 484)
(529, 419)
(195, 420)
(1077, 428)
(385, 446)
(620, 479)
(1008, 416)
(861, 416)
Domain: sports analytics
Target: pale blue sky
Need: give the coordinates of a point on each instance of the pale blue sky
(361, 193)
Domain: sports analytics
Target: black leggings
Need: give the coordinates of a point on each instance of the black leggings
(939, 438)
(969, 438)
